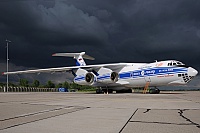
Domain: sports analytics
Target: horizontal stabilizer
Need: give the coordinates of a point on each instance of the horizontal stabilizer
(75, 55)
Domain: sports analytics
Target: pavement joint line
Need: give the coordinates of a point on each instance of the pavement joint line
(187, 119)
(147, 111)
(40, 112)
(40, 104)
(128, 120)
(76, 109)
(181, 111)
(155, 122)
(12, 102)
(36, 113)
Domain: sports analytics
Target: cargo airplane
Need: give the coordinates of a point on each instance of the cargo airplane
(121, 77)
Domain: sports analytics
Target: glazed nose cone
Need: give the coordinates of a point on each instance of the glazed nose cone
(192, 71)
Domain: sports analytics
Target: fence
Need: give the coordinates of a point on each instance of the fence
(28, 89)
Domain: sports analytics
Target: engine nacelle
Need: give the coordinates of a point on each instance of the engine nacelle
(87, 79)
(108, 78)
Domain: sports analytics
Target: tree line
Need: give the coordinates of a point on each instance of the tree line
(48, 84)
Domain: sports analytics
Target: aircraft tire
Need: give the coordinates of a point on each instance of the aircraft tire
(105, 91)
(129, 91)
(158, 91)
(99, 91)
(154, 91)
(110, 91)
(124, 91)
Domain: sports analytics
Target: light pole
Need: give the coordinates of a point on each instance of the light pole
(7, 41)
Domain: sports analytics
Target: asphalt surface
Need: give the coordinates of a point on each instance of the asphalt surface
(88, 113)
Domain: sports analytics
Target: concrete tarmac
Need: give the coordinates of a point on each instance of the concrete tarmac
(88, 113)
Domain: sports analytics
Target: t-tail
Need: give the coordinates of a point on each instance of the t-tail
(77, 56)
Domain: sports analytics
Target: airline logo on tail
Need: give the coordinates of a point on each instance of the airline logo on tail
(80, 61)
(77, 56)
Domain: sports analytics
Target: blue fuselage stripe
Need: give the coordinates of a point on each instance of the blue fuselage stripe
(141, 73)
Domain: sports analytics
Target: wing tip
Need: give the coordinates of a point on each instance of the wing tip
(3, 73)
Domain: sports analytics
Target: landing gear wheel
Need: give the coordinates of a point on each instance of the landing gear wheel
(129, 91)
(107, 91)
(158, 91)
(154, 91)
(124, 91)
(99, 91)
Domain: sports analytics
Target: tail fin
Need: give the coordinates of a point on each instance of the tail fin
(78, 56)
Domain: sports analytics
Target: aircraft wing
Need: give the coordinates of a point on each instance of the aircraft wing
(115, 67)
(47, 70)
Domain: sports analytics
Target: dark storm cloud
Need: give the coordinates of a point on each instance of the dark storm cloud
(47, 29)
(164, 29)
(111, 31)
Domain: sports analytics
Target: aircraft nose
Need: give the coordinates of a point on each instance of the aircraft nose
(192, 71)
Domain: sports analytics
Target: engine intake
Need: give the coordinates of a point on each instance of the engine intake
(114, 76)
(108, 78)
(89, 78)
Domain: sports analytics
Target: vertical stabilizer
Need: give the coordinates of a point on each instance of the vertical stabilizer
(77, 56)
(79, 59)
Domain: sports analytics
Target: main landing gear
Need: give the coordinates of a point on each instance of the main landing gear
(107, 91)
(154, 91)
(124, 91)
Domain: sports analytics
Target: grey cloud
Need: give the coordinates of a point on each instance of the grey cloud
(71, 21)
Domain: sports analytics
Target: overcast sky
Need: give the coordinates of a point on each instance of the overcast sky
(110, 31)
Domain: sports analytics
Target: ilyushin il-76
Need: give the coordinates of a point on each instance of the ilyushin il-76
(122, 77)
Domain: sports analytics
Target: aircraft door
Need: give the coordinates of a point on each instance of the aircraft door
(146, 76)
(147, 79)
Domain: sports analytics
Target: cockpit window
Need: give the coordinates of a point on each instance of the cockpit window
(179, 63)
(176, 63)
(169, 64)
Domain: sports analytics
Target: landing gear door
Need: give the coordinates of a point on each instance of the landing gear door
(147, 78)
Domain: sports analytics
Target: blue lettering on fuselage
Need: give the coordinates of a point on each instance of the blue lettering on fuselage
(152, 72)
